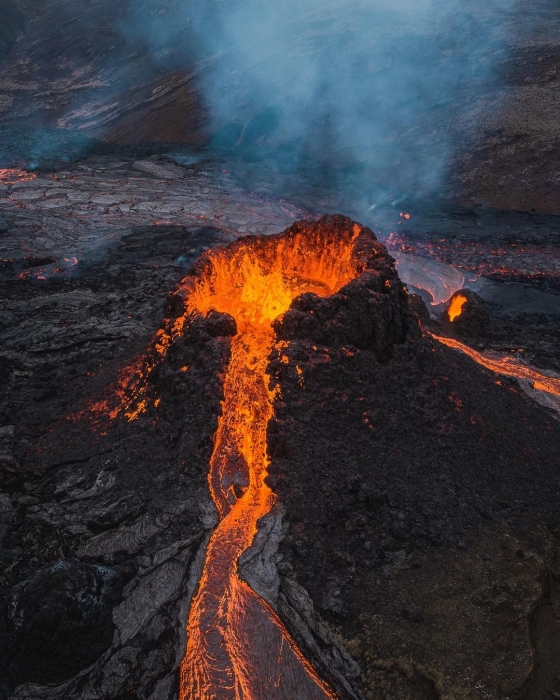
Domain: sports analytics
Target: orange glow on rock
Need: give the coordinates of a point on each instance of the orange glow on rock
(455, 308)
(237, 647)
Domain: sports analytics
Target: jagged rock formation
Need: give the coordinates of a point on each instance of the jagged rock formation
(59, 619)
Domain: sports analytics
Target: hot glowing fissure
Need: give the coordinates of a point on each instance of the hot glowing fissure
(237, 646)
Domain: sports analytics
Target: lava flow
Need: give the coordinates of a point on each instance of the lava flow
(438, 280)
(506, 365)
(237, 646)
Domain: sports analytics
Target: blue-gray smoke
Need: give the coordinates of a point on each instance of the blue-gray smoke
(381, 83)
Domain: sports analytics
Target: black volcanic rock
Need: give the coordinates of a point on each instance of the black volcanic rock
(399, 477)
(60, 620)
(100, 494)
(369, 312)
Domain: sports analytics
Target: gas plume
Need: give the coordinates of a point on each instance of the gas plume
(378, 84)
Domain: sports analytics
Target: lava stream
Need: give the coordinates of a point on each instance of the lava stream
(237, 647)
(506, 365)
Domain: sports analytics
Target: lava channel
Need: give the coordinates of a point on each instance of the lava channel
(507, 366)
(237, 646)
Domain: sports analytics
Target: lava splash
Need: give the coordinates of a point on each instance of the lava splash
(456, 306)
(237, 646)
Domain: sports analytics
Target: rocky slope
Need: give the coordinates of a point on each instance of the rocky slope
(420, 492)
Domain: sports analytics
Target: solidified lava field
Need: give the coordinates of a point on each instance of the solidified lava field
(412, 551)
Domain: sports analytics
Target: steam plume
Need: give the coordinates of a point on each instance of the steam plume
(382, 83)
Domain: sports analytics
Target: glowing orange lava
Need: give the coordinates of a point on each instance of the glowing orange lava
(9, 176)
(506, 365)
(237, 646)
(456, 306)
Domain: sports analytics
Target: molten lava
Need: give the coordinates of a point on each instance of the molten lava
(506, 365)
(237, 646)
(9, 176)
(530, 262)
(456, 306)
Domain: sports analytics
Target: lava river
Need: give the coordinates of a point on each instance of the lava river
(507, 366)
(237, 646)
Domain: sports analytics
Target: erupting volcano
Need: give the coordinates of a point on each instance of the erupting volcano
(237, 646)
(286, 371)
(251, 449)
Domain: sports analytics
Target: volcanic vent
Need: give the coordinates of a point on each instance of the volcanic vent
(292, 365)
(237, 646)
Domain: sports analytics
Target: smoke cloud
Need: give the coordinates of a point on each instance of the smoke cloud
(379, 83)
